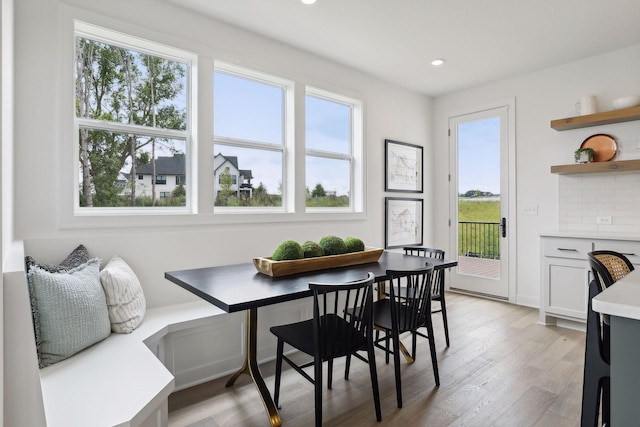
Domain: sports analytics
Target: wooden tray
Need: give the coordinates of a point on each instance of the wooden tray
(266, 265)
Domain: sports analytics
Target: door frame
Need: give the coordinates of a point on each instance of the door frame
(510, 104)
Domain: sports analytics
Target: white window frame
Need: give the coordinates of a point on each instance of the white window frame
(114, 38)
(355, 157)
(199, 156)
(287, 148)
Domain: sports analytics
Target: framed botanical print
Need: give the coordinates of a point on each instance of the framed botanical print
(403, 222)
(403, 167)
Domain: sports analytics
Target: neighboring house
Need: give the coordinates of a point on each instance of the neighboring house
(170, 173)
(240, 178)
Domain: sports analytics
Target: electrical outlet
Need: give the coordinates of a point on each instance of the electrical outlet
(530, 210)
(603, 220)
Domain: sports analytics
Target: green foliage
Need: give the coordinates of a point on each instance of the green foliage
(333, 245)
(179, 191)
(258, 200)
(328, 202)
(354, 244)
(226, 181)
(312, 249)
(318, 191)
(289, 249)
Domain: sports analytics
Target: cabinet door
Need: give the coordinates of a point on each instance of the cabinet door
(565, 283)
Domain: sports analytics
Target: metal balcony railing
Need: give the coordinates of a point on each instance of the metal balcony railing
(479, 239)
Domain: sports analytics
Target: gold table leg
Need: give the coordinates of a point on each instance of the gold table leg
(250, 367)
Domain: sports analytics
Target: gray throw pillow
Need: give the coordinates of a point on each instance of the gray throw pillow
(69, 310)
(78, 256)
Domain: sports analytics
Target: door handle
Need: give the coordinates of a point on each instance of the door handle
(503, 226)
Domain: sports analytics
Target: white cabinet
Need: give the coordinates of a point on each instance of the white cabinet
(566, 274)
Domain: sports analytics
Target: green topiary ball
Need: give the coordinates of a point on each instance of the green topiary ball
(333, 245)
(354, 244)
(289, 249)
(312, 249)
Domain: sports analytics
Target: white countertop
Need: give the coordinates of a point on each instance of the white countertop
(622, 299)
(607, 235)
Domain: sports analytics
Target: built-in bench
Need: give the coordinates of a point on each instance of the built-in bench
(120, 381)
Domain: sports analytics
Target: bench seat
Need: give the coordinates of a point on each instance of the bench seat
(120, 381)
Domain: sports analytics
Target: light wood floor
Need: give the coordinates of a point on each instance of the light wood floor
(502, 369)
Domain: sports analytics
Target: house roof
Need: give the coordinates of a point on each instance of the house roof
(234, 162)
(175, 165)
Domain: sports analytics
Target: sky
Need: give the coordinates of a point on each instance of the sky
(479, 155)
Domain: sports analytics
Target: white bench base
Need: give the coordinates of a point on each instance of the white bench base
(120, 381)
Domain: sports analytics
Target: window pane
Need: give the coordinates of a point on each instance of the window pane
(247, 110)
(124, 86)
(109, 177)
(328, 125)
(247, 176)
(328, 182)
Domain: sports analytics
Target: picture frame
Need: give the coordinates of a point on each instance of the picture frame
(403, 222)
(403, 165)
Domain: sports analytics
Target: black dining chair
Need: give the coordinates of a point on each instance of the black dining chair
(437, 286)
(342, 325)
(407, 309)
(607, 267)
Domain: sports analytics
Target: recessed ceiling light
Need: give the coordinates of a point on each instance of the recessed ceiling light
(437, 62)
(308, 1)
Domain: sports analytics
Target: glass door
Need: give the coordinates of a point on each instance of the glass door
(479, 209)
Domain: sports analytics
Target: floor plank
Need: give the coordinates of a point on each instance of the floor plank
(502, 369)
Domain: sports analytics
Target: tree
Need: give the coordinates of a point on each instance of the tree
(122, 86)
(179, 191)
(318, 191)
(226, 182)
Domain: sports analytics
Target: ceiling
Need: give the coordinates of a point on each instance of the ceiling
(480, 40)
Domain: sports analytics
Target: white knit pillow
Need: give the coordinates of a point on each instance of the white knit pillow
(125, 299)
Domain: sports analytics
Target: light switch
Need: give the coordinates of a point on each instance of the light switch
(603, 220)
(530, 210)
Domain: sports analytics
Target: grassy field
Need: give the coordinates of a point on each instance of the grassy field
(469, 210)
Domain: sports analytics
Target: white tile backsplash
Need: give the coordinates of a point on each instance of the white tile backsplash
(584, 197)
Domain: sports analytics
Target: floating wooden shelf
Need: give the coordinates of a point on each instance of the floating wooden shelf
(613, 166)
(597, 119)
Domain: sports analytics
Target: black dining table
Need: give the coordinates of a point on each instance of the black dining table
(240, 287)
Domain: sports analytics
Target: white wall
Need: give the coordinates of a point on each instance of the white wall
(541, 97)
(390, 112)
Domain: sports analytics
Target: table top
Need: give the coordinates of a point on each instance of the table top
(622, 299)
(240, 287)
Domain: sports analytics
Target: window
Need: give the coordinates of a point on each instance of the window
(165, 194)
(250, 129)
(332, 145)
(132, 116)
(181, 180)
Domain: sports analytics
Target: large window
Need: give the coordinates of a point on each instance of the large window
(249, 138)
(135, 135)
(132, 120)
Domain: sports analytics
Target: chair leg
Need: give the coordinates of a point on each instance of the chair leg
(347, 367)
(413, 344)
(444, 318)
(432, 349)
(329, 373)
(374, 379)
(386, 347)
(396, 365)
(591, 394)
(606, 401)
(276, 392)
(317, 383)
